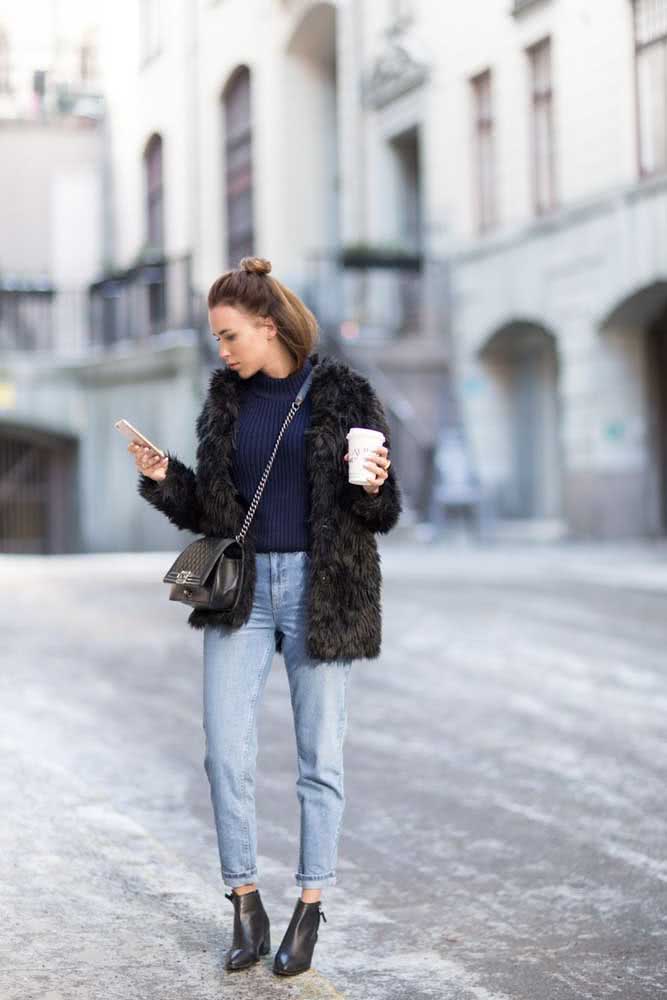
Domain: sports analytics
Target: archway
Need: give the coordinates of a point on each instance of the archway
(38, 490)
(521, 363)
(634, 402)
(656, 356)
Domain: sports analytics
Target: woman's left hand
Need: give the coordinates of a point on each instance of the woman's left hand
(379, 464)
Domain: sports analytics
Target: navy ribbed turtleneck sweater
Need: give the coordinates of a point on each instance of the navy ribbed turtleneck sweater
(281, 523)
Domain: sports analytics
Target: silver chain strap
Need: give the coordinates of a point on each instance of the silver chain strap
(240, 538)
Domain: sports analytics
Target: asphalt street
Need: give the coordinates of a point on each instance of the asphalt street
(505, 828)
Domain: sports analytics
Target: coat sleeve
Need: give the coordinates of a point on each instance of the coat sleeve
(176, 495)
(380, 511)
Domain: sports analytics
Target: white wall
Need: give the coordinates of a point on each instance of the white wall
(593, 102)
(38, 162)
(178, 94)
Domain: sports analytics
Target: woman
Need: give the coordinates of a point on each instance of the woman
(312, 590)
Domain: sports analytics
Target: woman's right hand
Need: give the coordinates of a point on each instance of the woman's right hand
(149, 462)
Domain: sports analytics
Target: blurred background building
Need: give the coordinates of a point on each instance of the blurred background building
(472, 198)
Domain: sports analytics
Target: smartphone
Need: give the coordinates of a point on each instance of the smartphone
(132, 434)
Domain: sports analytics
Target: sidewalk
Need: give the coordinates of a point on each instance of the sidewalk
(638, 565)
(505, 825)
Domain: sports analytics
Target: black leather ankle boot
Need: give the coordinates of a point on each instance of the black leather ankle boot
(296, 950)
(251, 930)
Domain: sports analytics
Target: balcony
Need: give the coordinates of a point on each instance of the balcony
(26, 313)
(151, 297)
(378, 296)
(35, 315)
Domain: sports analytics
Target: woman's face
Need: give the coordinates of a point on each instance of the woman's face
(243, 340)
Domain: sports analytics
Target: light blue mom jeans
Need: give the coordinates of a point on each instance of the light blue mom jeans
(237, 662)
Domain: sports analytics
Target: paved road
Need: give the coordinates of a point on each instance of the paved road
(505, 826)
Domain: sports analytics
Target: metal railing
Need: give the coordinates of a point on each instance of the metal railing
(24, 496)
(151, 297)
(36, 316)
(26, 315)
(378, 302)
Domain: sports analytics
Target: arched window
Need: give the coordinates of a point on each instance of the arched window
(238, 167)
(154, 193)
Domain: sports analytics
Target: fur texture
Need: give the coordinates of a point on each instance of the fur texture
(344, 614)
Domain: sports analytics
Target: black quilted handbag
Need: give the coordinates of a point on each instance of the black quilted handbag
(209, 573)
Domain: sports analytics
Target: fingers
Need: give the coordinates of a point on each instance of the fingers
(147, 461)
(378, 463)
(381, 462)
(378, 479)
(379, 467)
(383, 457)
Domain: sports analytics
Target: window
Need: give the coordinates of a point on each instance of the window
(544, 186)
(238, 167)
(650, 17)
(87, 67)
(154, 193)
(5, 68)
(484, 150)
(154, 273)
(150, 28)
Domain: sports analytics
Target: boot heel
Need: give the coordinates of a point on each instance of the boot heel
(266, 947)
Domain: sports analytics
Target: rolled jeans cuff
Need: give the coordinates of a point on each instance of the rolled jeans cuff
(314, 881)
(240, 878)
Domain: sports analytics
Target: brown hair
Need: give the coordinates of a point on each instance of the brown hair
(250, 287)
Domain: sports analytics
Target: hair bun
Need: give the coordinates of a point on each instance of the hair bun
(255, 265)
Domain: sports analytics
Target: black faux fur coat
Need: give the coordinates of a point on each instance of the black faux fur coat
(344, 613)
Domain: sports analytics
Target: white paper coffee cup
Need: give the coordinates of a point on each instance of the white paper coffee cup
(362, 442)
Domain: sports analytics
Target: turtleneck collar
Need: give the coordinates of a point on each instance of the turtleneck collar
(261, 384)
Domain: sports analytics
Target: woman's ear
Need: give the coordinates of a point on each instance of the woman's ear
(271, 328)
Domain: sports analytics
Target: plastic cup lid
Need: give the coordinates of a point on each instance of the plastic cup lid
(365, 430)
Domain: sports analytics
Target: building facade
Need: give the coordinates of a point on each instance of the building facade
(51, 248)
(517, 150)
(473, 198)
(289, 130)
(559, 205)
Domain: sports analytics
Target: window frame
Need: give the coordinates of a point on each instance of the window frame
(539, 99)
(484, 128)
(639, 47)
(5, 62)
(238, 173)
(154, 192)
